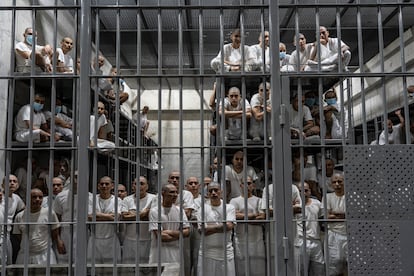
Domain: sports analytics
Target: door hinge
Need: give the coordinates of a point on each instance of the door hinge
(282, 115)
(285, 244)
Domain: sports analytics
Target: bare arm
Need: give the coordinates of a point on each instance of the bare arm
(308, 125)
(231, 114)
(129, 215)
(62, 123)
(58, 241)
(250, 216)
(172, 235)
(132, 214)
(188, 212)
(212, 101)
(258, 112)
(335, 215)
(217, 228)
(248, 113)
(102, 216)
(24, 54)
(400, 117)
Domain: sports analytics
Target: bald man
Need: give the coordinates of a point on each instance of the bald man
(38, 239)
(105, 234)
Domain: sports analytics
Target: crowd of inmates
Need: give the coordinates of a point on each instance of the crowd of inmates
(199, 224)
(210, 226)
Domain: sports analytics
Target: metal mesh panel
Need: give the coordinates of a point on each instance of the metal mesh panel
(380, 208)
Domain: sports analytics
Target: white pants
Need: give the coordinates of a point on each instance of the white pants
(338, 253)
(215, 267)
(23, 136)
(104, 250)
(129, 251)
(313, 257)
(36, 258)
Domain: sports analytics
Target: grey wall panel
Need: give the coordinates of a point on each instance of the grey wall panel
(380, 209)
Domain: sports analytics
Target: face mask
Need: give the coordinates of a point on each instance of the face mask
(331, 101)
(37, 106)
(58, 109)
(29, 39)
(282, 55)
(310, 101)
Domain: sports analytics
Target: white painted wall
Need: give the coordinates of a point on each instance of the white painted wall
(170, 131)
(6, 48)
(394, 89)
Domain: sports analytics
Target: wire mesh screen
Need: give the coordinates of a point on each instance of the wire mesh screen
(380, 208)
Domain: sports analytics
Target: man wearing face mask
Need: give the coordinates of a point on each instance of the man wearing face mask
(24, 55)
(284, 58)
(63, 123)
(332, 115)
(312, 101)
(22, 122)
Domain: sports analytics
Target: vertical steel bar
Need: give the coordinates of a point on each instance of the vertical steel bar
(83, 154)
(361, 68)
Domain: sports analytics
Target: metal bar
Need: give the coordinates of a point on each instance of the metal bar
(361, 66)
(83, 154)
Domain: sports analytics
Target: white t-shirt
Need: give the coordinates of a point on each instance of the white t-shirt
(234, 125)
(234, 56)
(215, 244)
(2, 228)
(23, 64)
(38, 234)
(24, 115)
(332, 45)
(312, 212)
(393, 138)
(303, 57)
(295, 197)
(255, 232)
(236, 178)
(101, 121)
(257, 100)
(170, 220)
(106, 206)
(16, 204)
(143, 120)
(295, 120)
(256, 127)
(63, 205)
(336, 203)
(66, 59)
(258, 51)
(130, 205)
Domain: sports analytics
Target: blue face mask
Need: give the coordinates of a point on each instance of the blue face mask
(29, 39)
(37, 106)
(282, 55)
(310, 101)
(331, 101)
(58, 109)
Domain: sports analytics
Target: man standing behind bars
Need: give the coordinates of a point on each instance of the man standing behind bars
(233, 56)
(168, 228)
(145, 201)
(249, 234)
(37, 240)
(216, 225)
(105, 233)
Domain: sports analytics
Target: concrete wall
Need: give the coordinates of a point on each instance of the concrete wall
(6, 49)
(394, 90)
(170, 129)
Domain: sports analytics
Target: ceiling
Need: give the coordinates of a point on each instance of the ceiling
(158, 52)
